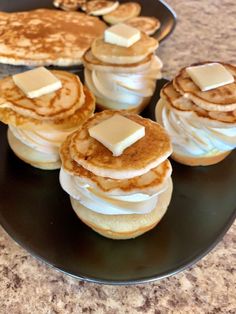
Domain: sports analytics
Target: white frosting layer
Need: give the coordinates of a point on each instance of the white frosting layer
(99, 202)
(191, 137)
(128, 89)
(47, 142)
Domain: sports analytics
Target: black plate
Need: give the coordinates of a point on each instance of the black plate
(37, 214)
(155, 8)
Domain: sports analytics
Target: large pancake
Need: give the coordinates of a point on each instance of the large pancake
(218, 99)
(149, 183)
(184, 105)
(59, 104)
(139, 158)
(115, 54)
(9, 116)
(47, 37)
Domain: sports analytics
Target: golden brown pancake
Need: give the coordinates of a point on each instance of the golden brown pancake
(92, 63)
(10, 116)
(56, 105)
(99, 7)
(218, 99)
(147, 24)
(123, 13)
(139, 158)
(114, 54)
(149, 183)
(46, 37)
(183, 104)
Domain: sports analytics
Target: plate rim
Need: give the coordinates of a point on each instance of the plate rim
(175, 19)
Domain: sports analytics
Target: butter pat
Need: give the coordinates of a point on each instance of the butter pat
(37, 82)
(117, 133)
(210, 76)
(122, 35)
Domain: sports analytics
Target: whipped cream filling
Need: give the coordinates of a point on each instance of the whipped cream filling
(128, 88)
(102, 203)
(190, 137)
(47, 142)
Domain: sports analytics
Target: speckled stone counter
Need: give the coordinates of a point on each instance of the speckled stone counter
(205, 31)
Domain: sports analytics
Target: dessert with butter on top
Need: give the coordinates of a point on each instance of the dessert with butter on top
(116, 171)
(121, 69)
(41, 109)
(198, 110)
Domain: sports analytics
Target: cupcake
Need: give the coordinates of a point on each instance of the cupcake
(119, 185)
(37, 125)
(121, 71)
(198, 109)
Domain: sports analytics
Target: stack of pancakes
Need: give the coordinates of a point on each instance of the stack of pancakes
(122, 78)
(46, 37)
(202, 124)
(38, 126)
(119, 197)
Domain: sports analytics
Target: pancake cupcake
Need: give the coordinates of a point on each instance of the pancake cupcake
(41, 109)
(121, 69)
(198, 109)
(116, 172)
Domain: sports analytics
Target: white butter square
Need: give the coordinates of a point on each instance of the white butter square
(210, 76)
(37, 82)
(122, 35)
(117, 133)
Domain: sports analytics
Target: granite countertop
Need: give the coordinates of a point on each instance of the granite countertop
(205, 31)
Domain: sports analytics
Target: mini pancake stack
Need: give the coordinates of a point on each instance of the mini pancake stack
(122, 78)
(119, 197)
(201, 124)
(47, 37)
(38, 126)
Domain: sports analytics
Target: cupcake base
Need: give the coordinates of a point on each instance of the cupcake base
(121, 227)
(133, 109)
(199, 161)
(31, 156)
